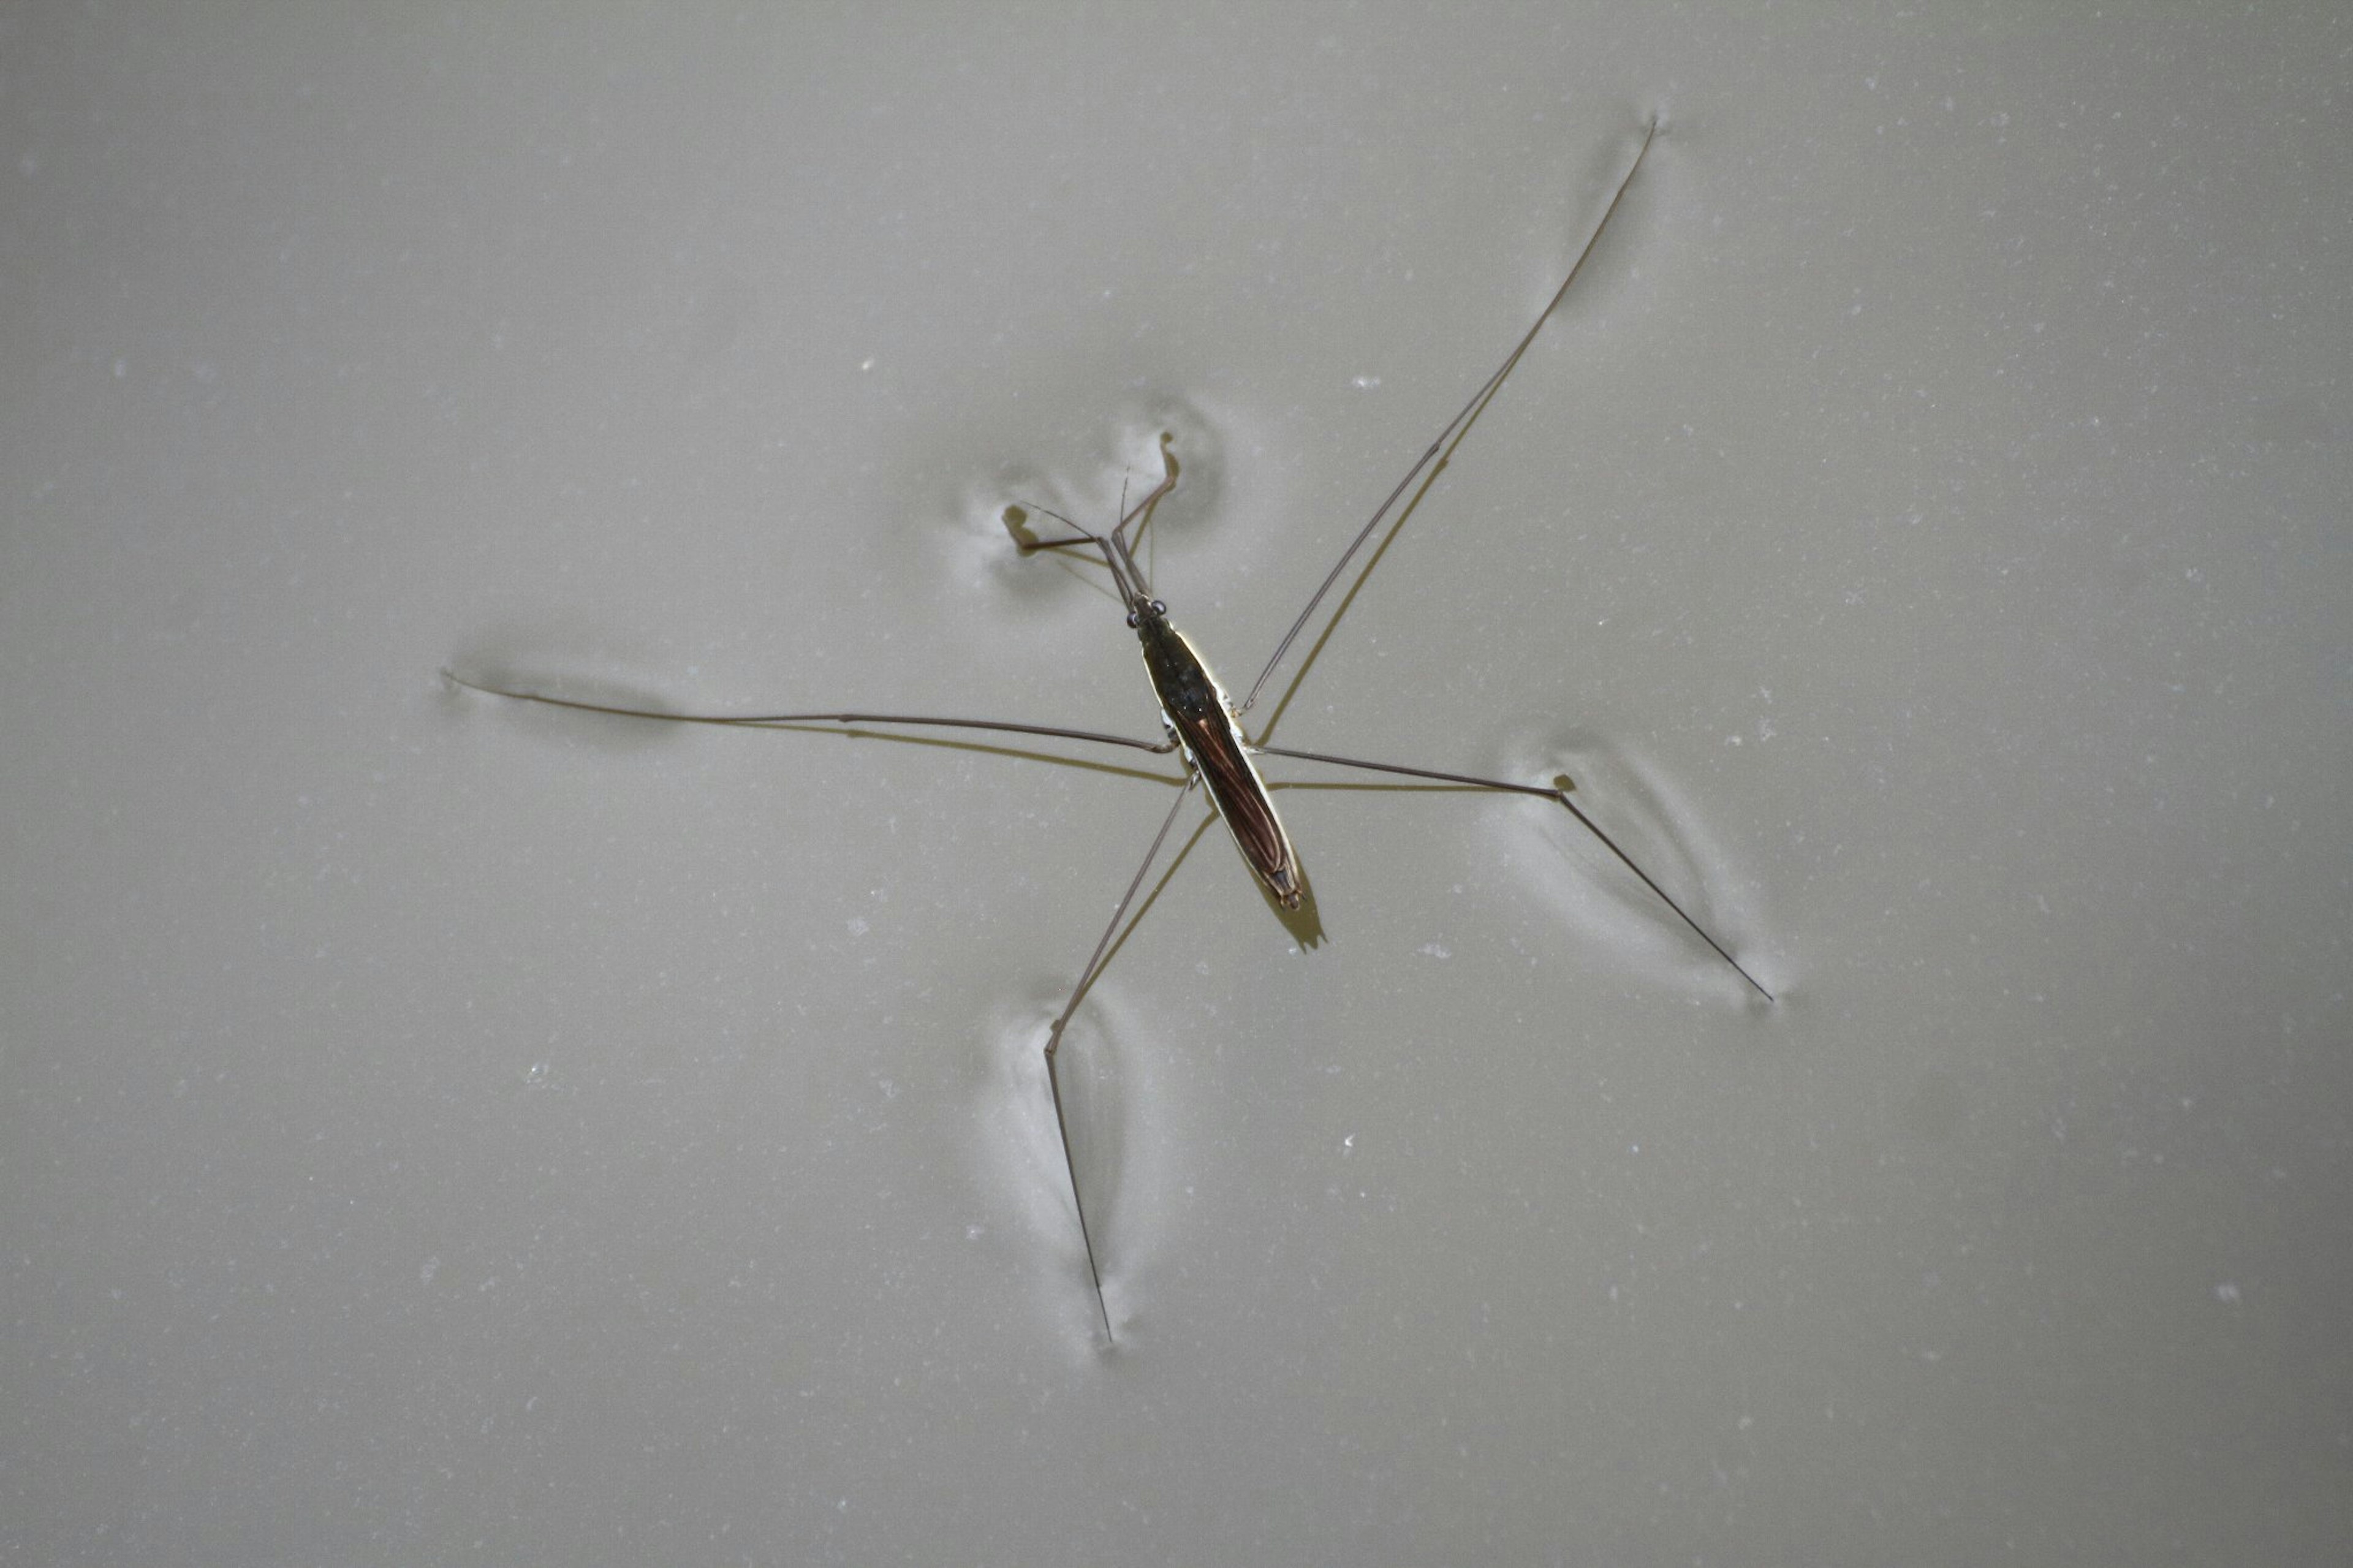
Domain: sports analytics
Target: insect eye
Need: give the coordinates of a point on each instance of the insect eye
(1159, 608)
(1131, 620)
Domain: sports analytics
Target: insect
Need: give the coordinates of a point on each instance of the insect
(1200, 723)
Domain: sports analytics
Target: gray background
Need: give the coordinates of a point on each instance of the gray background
(433, 1130)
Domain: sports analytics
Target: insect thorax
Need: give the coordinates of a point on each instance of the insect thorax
(1184, 684)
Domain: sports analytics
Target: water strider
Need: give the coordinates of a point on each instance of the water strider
(1202, 723)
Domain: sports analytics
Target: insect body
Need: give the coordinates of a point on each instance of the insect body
(1201, 719)
(1202, 725)
(1194, 708)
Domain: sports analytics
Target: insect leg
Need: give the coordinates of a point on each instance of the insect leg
(1087, 977)
(1441, 451)
(1018, 526)
(777, 720)
(1557, 792)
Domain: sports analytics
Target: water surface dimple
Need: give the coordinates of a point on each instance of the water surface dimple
(1122, 1134)
(1604, 905)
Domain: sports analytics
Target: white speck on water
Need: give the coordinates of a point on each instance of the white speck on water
(425, 1273)
(1434, 950)
(857, 924)
(2227, 1292)
(1367, 382)
(536, 1074)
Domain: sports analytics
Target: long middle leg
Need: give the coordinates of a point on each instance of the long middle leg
(786, 720)
(1560, 794)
